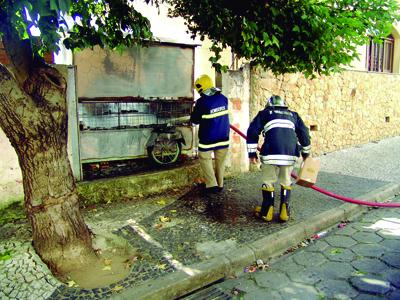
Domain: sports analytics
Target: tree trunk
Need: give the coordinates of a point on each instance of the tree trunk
(34, 119)
(60, 235)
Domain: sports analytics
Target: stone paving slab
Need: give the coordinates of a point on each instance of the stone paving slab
(366, 275)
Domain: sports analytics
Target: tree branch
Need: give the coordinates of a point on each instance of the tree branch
(20, 54)
(16, 107)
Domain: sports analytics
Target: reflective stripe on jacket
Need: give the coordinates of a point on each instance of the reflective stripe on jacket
(211, 113)
(284, 134)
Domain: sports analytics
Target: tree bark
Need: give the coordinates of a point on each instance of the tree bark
(33, 116)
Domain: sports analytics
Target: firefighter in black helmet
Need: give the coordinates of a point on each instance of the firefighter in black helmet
(283, 132)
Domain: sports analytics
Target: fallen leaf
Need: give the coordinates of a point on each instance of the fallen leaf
(71, 283)
(165, 219)
(158, 226)
(303, 244)
(360, 273)
(6, 255)
(162, 266)
(236, 291)
(173, 210)
(131, 259)
(336, 251)
(161, 202)
(140, 195)
(117, 288)
(129, 262)
(252, 269)
(107, 268)
(107, 262)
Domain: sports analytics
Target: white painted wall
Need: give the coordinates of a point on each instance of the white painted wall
(11, 189)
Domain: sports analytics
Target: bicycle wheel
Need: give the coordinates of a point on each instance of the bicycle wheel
(165, 152)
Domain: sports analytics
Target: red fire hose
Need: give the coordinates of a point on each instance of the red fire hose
(330, 194)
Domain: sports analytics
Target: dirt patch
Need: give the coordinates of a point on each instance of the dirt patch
(110, 267)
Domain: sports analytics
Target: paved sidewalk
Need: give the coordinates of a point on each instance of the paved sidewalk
(356, 260)
(186, 243)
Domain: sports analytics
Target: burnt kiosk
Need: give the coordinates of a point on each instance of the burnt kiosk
(134, 105)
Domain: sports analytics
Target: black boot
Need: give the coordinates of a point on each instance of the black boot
(284, 211)
(266, 212)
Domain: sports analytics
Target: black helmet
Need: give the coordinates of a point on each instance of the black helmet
(276, 101)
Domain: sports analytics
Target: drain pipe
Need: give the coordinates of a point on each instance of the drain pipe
(331, 194)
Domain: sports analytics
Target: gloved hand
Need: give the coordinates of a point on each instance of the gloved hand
(304, 155)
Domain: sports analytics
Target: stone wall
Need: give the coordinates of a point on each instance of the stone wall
(341, 110)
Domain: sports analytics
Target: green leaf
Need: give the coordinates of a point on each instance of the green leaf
(53, 5)
(64, 5)
(275, 41)
(6, 255)
(251, 30)
(360, 273)
(336, 251)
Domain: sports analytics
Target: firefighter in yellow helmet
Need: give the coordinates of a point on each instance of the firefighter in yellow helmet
(211, 114)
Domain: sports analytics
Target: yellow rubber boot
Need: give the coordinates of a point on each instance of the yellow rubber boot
(268, 217)
(266, 211)
(284, 213)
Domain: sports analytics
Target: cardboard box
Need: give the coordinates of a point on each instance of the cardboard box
(309, 172)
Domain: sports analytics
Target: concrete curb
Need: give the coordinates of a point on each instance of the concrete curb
(199, 275)
(106, 190)
(156, 182)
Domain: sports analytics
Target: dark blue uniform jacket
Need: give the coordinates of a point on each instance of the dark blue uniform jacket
(284, 136)
(211, 113)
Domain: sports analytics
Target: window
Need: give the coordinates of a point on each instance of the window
(380, 56)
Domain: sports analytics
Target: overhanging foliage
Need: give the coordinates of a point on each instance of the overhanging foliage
(81, 24)
(309, 36)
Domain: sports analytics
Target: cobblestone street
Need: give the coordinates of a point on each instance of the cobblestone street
(356, 260)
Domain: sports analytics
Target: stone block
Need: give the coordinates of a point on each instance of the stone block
(370, 284)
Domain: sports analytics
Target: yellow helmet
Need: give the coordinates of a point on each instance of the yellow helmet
(203, 83)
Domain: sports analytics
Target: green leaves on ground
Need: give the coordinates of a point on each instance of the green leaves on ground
(336, 251)
(5, 255)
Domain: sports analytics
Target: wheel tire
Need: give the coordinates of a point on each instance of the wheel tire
(165, 152)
